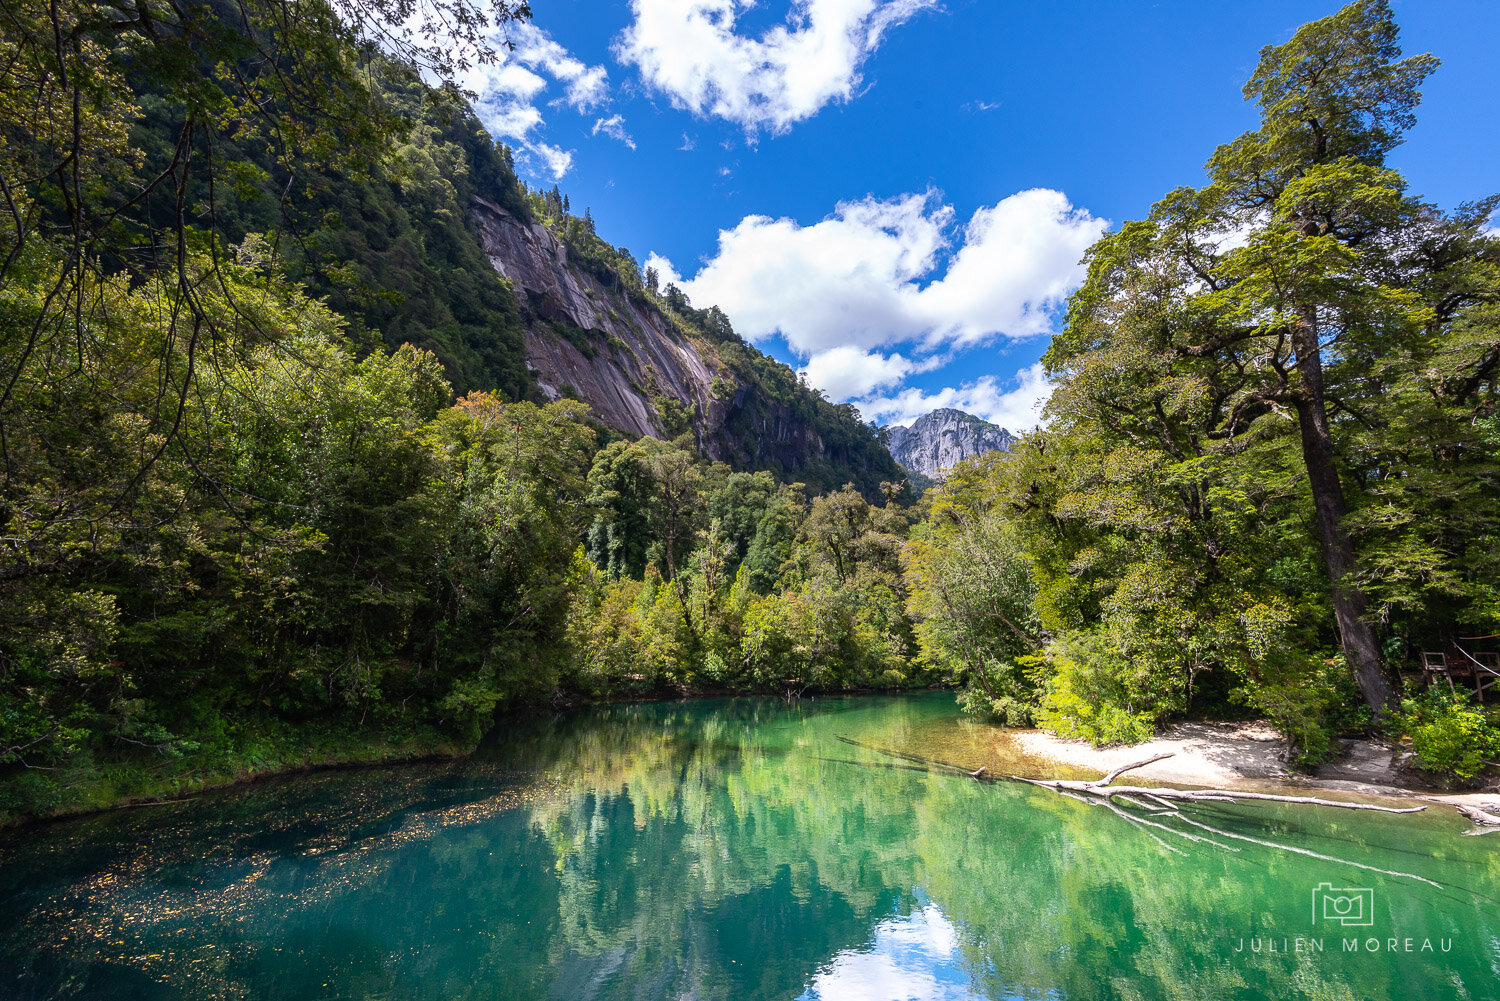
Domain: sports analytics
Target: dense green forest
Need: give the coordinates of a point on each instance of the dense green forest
(277, 488)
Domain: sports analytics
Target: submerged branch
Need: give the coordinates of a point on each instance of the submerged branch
(1099, 792)
(927, 764)
(1102, 788)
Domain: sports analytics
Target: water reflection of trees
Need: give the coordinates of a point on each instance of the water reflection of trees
(729, 851)
(1050, 896)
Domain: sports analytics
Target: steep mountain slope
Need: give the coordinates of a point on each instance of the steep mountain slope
(938, 441)
(647, 363)
(585, 340)
(410, 250)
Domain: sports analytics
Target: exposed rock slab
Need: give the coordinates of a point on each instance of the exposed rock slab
(615, 355)
(938, 441)
(641, 372)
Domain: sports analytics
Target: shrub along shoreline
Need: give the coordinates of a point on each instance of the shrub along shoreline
(1254, 751)
(72, 793)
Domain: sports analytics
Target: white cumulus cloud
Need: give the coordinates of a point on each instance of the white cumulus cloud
(510, 92)
(846, 372)
(865, 277)
(690, 51)
(1018, 409)
(556, 160)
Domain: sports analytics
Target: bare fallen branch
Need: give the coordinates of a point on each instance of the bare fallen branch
(1484, 823)
(1479, 817)
(1141, 821)
(1130, 768)
(1304, 851)
(1211, 795)
(1103, 789)
(1100, 793)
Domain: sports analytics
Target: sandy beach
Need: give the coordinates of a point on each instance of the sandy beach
(1245, 756)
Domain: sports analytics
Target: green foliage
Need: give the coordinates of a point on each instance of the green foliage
(1102, 690)
(1228, 417)
(399, 254)
(319, 540)
(1006, 710)
(647, 506)
(1297, 700)
(515, 474)
(771, 594)
(1449, 733)
(972, 591)
(1337, 89)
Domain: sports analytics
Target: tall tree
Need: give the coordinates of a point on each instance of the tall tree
(1261, 302)
(130, 128)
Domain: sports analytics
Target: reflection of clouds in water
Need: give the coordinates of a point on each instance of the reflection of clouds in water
(913, 957)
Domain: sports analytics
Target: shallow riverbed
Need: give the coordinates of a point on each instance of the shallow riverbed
(740, 849)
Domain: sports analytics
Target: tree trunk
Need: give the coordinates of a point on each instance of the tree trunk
(1349, 605)
(671, 536)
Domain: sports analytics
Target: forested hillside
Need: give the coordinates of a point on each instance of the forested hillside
(601, 330)
(280, 486)
(244, 522)
(401, 246)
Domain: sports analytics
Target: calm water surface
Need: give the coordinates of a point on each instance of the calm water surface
(741, 849)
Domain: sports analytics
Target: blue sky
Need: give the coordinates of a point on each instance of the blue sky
(892, 195)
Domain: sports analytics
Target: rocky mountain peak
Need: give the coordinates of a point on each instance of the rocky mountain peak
(940, 440)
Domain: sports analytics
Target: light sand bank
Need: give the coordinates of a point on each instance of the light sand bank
(1245, 756)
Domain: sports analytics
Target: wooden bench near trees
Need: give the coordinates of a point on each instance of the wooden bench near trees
(1483, 667)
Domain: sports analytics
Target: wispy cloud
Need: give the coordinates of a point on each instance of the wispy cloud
(614, 127)
(537, 71)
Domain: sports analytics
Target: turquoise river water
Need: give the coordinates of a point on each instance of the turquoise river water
(741, 849)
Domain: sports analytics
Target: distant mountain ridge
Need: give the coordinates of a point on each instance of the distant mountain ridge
(938, 441)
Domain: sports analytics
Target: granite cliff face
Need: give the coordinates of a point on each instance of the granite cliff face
(587, 341)
(938, 441)
(642, 374)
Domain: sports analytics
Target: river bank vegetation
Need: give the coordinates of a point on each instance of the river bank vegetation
(276, 480)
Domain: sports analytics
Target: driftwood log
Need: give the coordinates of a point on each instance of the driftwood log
(1102, 788)
(1160, 804)
(1484, 823)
